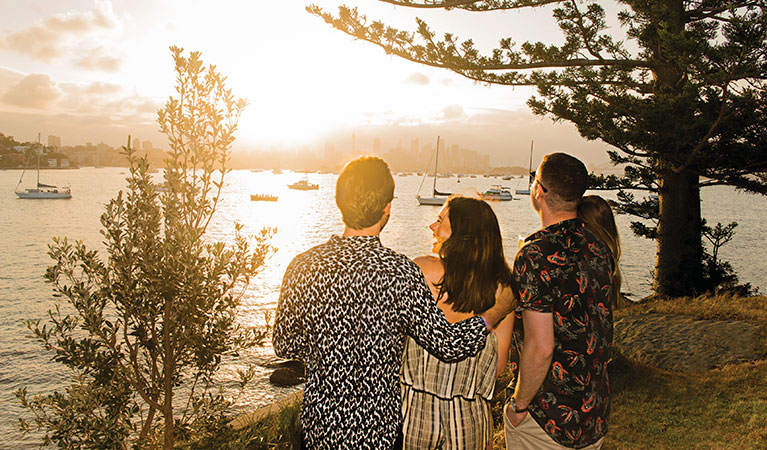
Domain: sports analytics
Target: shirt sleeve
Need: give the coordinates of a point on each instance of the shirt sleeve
(289, 338)
(533, 278)
(426, 323)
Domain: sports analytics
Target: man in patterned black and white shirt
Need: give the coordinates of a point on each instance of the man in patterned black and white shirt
(345, 308)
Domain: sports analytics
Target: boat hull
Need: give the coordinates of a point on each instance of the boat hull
(33, 194)
(505, 197)
(431, 201)
(263, 198)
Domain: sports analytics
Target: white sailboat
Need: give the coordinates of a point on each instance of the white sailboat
(529, 176)
(41, 191)
(437, 198)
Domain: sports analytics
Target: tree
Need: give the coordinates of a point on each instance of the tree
(680, 98)
(152, 321)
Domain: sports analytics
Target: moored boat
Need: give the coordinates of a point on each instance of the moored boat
(304, 185)
(41, 191)
(497, 193)
(530, 176)
(263, 198)
(437, 198)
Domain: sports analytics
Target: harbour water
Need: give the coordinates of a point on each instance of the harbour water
(302, 219)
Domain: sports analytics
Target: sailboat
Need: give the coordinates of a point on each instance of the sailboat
(42, 191)
(529, 176)
(437, 198)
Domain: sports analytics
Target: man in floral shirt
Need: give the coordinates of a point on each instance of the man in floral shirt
(561, 393)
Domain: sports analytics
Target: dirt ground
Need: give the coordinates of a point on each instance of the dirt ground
(684, 343)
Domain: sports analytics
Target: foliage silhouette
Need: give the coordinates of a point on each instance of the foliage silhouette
(150, 322)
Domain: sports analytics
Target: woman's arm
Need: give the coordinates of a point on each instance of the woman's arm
(504, 333)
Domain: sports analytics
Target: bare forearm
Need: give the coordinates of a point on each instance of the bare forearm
(534, 365)
(535, 358)
(504, 334)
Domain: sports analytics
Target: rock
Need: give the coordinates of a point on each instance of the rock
(297, 366)
(285, 377)
(287, 373)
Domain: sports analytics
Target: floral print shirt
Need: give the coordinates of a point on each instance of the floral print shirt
(345, 309)
(566, 271)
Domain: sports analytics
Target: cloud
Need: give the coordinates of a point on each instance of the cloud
(452, 112)
(98, 88)
(418, 78)
(57, 36)
(98, 59)
(33, 91)
(9, 77)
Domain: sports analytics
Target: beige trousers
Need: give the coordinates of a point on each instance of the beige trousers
(528, 435)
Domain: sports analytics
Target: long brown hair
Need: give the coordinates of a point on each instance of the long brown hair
(599, 219)
(472, 257)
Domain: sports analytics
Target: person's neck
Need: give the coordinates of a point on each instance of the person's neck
(549, 218)
(375, 230)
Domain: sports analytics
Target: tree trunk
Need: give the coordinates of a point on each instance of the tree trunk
(168, 368)
(679, 259)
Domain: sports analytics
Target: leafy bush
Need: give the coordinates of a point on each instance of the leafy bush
(150, 322)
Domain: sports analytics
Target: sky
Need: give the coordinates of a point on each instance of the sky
(98, 70)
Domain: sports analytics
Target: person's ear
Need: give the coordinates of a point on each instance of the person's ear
(387, 209)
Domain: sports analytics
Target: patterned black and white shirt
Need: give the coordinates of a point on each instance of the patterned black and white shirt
(345, 308)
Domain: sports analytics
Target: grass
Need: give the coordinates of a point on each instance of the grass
(652, 409)
(718, 409)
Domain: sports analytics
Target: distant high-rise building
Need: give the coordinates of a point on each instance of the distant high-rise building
(54, 142)
(146, 146)
(414, 148)
(330, 153)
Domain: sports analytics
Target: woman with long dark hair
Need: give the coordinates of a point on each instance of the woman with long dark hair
(447, 404)
(599, 219)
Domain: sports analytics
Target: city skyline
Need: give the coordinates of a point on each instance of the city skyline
(99, 71)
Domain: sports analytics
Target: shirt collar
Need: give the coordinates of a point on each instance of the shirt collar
(356, 241)
(565, 225)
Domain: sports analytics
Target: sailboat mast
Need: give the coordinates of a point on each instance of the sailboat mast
(436, 164)
(38, 161)
(530, 166)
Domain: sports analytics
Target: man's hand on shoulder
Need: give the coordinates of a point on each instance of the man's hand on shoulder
(504, 304)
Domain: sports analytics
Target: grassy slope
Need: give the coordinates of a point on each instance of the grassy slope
(652, 409)
(720, 409)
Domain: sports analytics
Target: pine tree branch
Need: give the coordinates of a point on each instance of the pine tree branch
(472, 5)
(704, 140)
(698, 14)
(395, 42)
(582, 28)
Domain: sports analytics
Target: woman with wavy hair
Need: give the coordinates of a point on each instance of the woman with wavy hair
(598, 217)
(447, 404)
